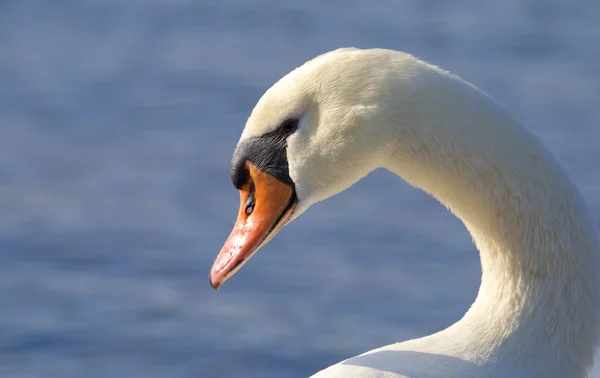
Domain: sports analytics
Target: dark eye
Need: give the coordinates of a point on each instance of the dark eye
(289, 125)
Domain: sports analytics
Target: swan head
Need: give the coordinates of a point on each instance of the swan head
(310, 136)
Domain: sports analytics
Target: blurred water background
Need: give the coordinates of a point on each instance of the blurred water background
(117, 123)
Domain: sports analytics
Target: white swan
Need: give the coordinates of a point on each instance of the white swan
(331, 121)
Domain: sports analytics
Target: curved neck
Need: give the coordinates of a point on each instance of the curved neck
(538, 304)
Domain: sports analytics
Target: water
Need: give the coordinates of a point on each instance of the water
(117, 124)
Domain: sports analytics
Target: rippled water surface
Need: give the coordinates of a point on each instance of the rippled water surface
(117, 124)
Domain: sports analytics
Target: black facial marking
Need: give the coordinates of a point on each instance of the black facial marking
(267, 152)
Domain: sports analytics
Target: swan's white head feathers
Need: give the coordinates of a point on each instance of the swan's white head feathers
(342, 99)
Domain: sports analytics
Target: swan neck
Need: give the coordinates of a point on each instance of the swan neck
(539, 251)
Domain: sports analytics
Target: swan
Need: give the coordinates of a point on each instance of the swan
(331, 121)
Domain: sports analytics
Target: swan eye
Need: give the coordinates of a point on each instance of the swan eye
(289, 125)
(249, 207)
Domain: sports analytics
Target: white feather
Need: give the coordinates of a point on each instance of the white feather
(536, 314)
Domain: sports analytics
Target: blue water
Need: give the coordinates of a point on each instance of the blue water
(117, 124)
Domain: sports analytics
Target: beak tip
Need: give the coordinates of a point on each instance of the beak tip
(212, 284)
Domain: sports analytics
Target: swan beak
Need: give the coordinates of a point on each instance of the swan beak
(266, 205)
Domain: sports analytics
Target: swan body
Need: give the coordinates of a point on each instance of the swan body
(352, 111)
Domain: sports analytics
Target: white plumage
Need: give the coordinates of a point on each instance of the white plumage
(537, 310)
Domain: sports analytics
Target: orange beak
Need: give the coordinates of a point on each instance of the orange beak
(266, 205)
